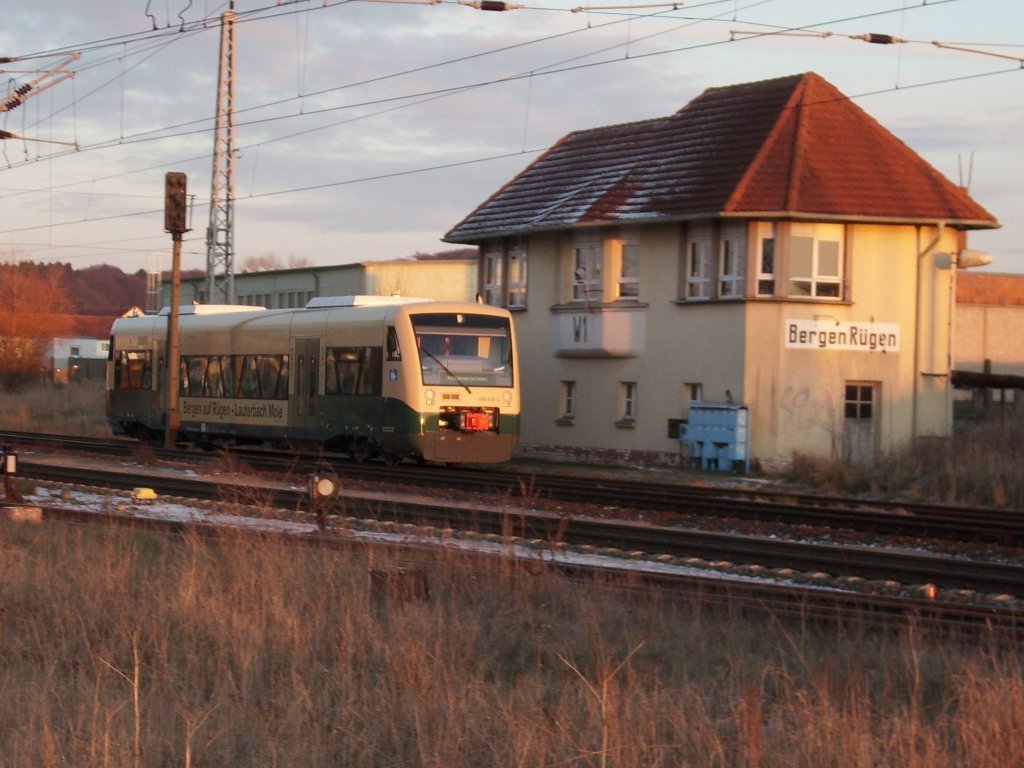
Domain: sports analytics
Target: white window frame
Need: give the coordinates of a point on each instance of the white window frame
(822, 276)
(627, 403)
(567, 397)
(698, 270)
(586, 272)
(767, 259)
(731, 268)
(517, 277)
(494, 275)
(629, 270)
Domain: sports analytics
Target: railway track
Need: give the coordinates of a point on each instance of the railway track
(878, 563)
(959, 523)
(806, 604)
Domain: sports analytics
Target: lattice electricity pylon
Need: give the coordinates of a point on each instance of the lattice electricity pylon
(220, 238)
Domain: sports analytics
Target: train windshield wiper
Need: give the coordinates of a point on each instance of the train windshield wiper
(447, 370)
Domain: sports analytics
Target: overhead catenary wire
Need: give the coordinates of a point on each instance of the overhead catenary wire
(545, 70)
(876, 38)
(418, 97)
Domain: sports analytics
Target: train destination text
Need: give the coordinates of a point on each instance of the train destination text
(251, 411)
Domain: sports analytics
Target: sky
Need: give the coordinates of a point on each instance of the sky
(366, 130)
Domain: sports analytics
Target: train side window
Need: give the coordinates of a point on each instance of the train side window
(331, 385)
(394, 351)
(353, 371)
(274, 376)
(345, 364)
(134, 370)
(214, 384)
(282, 383)
(373, 365)
(197, 376)
(249, 378)
(227, 376)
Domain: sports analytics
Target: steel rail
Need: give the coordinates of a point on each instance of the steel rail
(865, 562)
(808, 605)
(890, 518)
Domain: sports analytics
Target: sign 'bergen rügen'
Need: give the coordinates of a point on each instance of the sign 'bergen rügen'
(839, 335)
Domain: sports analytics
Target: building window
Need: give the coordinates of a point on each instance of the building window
(816, 262)
(698, 269)
(859, 402)
(494, 276)
(629, 271)
(766, 266)
(567, 398)
(694, 392)
(517, 277)
(586, 273)
(730, 269)
(627, 404)
(504, 275)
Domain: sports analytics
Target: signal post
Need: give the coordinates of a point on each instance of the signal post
(175, 222)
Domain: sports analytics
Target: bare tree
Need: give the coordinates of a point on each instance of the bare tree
(268, 262)
(34, 304)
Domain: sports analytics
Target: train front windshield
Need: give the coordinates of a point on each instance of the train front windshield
(462, 349)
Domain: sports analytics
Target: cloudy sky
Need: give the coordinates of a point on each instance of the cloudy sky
(365, 130)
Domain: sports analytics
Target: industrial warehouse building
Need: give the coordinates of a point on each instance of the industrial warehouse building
(989, 343)
(769, 249)
(433, 278)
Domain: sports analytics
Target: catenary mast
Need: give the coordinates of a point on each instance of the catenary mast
(220, 239)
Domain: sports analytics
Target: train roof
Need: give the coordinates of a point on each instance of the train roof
(329, 309)
(211, 309)
(324, 302)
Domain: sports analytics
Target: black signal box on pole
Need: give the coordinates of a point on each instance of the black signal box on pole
(175, 203)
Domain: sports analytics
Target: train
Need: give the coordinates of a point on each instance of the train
(368, 376)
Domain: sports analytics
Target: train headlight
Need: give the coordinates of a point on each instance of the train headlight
(506, 397)
(429, 395)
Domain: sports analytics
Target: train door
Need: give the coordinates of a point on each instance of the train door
(305, 367)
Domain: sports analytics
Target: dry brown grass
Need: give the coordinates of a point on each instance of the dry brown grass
(74, 409)
(980, 465)
(127, 649)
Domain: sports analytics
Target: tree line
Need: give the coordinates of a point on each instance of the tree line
(39, 302)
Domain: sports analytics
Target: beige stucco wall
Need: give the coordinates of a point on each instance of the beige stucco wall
(795, 396)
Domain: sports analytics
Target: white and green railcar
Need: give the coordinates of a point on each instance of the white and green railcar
(364, 375)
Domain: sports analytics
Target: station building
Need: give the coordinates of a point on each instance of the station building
(769, 248)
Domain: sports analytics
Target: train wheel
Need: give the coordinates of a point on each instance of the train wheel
(153, 437)
(362, 451)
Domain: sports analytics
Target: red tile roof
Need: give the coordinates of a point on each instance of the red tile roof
(792, 146)
(989, 288)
